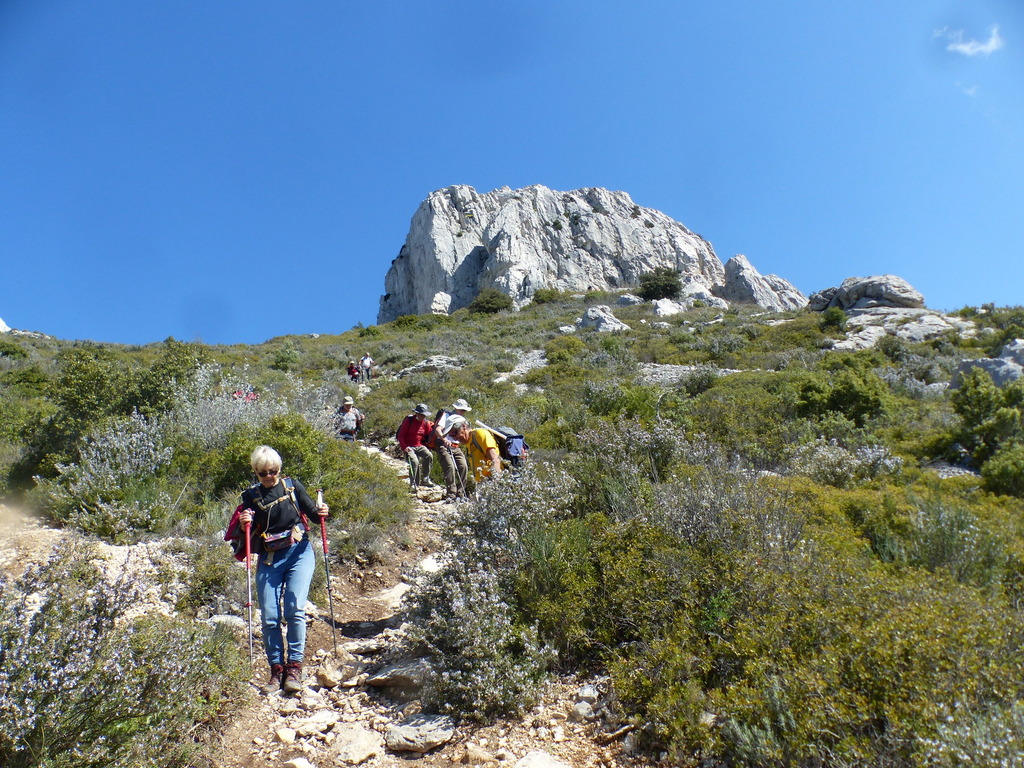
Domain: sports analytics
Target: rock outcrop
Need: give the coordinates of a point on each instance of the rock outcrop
(744, 284)
(865, 327)
(4, 328)
(518, 241)
(867, 293)
(1006, 368)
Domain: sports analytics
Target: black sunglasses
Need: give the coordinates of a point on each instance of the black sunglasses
(268, 472)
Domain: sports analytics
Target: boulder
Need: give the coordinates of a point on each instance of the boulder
(409, 673)
(440, 304)
(868, 292)
(694, 291)
(1005, 369)
(518, 241)
(667, 307)
(601, 319)
(628, 300)
(744, 284)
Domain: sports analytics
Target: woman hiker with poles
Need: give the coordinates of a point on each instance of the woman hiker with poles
(276, 509)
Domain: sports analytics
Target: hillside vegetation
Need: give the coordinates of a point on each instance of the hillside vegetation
(759, 554)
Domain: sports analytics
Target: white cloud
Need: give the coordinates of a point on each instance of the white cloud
(971, 47)
(971, 90)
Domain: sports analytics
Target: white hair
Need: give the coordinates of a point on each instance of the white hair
(264, 457)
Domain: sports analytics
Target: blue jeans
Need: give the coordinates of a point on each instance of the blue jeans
(284, 584)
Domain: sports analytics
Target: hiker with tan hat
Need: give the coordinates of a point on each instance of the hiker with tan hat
(348, 419)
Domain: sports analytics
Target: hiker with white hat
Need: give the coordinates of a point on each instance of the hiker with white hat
(449, 452)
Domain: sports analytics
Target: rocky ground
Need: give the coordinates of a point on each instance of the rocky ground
(356, 710)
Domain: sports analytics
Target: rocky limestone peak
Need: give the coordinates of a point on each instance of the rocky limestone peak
(745, 285)
(461, 241)
(4, 328)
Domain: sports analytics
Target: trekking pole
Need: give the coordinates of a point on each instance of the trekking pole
(327, 569)
(412, 473)
(248, 584)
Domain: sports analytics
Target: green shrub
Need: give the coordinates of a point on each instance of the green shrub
(547, 296)
(660, 283)
(490, 301)
(991, 417)
(833, 319)
(82, 683)
(564, 349)
(1004, 472)
(12, 350)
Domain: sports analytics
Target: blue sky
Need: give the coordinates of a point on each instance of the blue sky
(229, 170)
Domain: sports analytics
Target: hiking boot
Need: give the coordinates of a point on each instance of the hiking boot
(274, 683)
(292, 677)
(428, 483)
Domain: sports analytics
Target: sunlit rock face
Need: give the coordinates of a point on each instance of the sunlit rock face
(744, 284)
(518, 241)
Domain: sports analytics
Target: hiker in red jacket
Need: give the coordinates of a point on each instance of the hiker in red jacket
(413, 437)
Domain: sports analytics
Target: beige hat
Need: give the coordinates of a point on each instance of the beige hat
(348, 400)
(461, 405)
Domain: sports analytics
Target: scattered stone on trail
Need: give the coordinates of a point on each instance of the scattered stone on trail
(367, 647)
(420, 734)
(334, 670)
(354, 744)
(588, 693)
(475, 755)
(392, 597)
(539, 759)
(298, 762)
(409, 673)
(320, 722)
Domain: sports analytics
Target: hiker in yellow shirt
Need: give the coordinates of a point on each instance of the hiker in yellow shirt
(484, 456)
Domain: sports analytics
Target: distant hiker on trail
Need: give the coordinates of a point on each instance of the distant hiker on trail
(366, 366)
(412, 439)
(484, 456)
(277, 507)
(449, 453)
(352, 370)
(348, 420)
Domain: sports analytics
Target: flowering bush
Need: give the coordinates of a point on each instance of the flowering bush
(986, 739)
(82, 684)
(482, 661)
(830, 463)
(109, 491)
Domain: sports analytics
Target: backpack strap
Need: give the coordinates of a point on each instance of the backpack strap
(289, 485)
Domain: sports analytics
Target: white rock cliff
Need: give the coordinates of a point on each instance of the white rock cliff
(518, 241)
